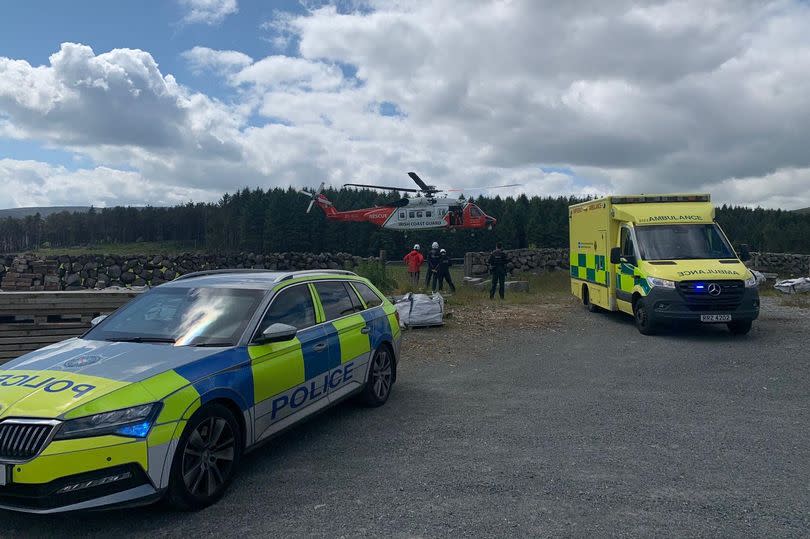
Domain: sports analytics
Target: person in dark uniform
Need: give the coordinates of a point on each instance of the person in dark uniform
(497, 266)
(444, 272)
(432, 279)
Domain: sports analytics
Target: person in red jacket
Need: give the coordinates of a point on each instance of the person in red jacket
(414, 261)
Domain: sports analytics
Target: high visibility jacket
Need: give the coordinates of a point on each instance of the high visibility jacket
(413, 260)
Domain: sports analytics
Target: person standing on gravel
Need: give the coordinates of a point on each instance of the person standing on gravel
(413, 261)
(433, 258)
(444, 272)
(497, 266)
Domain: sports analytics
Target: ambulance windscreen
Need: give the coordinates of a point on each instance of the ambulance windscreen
(682, 242)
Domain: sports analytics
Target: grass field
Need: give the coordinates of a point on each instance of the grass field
(543, 287)
(123, 249)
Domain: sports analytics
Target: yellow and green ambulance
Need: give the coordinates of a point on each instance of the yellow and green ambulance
(662, 259)
(162, 398)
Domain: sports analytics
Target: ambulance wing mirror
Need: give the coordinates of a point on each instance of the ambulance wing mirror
(277, 333)
(616, 255)
(745, 252)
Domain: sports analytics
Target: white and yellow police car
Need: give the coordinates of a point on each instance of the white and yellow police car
(160, 399)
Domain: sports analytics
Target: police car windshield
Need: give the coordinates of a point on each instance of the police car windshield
(682, 242)
(182, 317)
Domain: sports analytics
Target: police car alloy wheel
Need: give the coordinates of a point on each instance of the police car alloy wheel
(206, 459)
(380, 378)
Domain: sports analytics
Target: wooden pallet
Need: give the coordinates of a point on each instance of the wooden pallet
(31, 320)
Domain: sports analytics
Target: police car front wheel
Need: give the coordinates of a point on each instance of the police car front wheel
(380, 378)
(206, 459)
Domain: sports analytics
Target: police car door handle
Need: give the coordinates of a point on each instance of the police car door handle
(320, 347)
(366, 330)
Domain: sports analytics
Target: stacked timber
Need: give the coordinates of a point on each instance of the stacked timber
(31, 320)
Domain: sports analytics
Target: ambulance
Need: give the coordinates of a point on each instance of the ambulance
(662, 259)
(161, 399)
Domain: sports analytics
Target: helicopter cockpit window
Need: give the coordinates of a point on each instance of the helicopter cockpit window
(475, 212)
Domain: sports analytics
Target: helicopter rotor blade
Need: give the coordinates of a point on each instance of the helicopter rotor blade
(485, 188)
(422, 185)
(311, 203)
(388, 188)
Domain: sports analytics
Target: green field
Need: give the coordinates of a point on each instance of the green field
(123, 249)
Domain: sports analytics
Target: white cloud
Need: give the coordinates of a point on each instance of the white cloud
(202, 59)
(676, 95)
(31, 183)
(209, 12)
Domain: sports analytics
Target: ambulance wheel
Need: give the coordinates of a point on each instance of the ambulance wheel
(740, 327)
(380, 378)
(206, 458)
(641, 313)
(586, 299)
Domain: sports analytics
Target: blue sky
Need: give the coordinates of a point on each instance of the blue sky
(161, 102)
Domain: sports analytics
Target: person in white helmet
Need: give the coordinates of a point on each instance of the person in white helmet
(444, 272)
(413, 261)
(433, 258)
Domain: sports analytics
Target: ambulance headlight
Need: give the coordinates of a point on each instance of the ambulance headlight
(135, 422)
(661, 283)
(751, 282)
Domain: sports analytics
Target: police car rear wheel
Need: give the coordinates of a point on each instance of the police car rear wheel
(206, 459)
(380, 378)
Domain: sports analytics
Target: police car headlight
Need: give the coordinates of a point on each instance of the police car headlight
(135, 422)
(662, 283)
(751, 282)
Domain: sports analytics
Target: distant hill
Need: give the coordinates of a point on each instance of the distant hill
(44, 211)
(803, 210)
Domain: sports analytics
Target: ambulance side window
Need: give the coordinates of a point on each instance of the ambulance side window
(628, 250)
(293, 306)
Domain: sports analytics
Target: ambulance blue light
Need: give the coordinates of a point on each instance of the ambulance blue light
(137, 430)
(700, 286)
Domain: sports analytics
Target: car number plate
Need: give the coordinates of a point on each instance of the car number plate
(715, 318)
(3, 477)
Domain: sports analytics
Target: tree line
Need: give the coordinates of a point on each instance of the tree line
(258, 220)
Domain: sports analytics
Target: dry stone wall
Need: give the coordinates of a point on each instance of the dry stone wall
(540, 260)
(31, 273)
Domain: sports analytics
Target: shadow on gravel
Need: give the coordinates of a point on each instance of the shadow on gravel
(261, 465)
(689, 331)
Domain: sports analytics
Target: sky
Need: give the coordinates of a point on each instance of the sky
(163, 102)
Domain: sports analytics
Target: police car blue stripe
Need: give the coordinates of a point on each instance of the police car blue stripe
(228, 369)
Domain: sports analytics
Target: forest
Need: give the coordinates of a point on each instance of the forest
(258, 220)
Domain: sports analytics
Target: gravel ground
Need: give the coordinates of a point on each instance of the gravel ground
(578, 426)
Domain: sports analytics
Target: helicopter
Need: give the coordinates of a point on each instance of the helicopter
(424, 211)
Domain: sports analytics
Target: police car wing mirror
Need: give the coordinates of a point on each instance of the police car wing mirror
(97, 320)
(615, 255)
(745, 252)
(277, 333)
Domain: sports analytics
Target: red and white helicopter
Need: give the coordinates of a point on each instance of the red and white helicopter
(423, 211)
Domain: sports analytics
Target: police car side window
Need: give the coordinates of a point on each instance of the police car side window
(372, 300)
(335, 299)
(293, 306)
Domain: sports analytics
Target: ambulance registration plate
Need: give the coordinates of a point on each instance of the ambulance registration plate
(3, 476)
(715, 318)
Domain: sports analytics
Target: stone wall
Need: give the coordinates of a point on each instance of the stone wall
(31, 273)
(539, 260)
(783, 264)
(520, 261)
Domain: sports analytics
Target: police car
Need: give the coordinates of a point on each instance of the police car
(160, 399)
